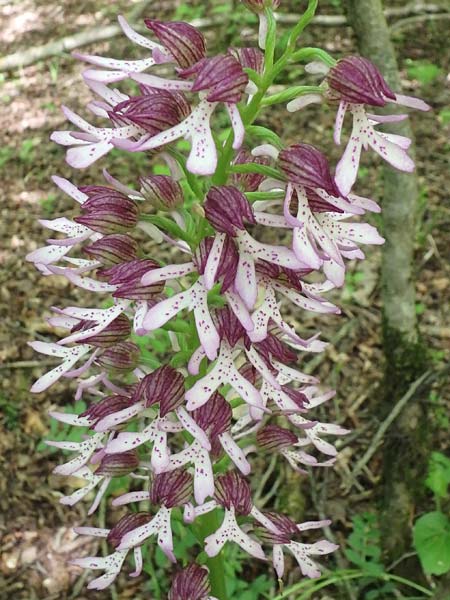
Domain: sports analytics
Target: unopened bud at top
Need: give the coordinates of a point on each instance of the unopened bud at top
(184, 42)
(162, 191)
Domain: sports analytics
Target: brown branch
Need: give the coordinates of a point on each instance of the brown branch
(24, 58)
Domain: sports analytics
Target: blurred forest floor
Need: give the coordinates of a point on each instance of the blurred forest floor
(35, 531)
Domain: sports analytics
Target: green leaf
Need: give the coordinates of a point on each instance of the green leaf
(431, 536)
(423, 71)
(438, 478)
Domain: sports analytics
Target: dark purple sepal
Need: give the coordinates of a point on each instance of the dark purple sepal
(118, 465)
(319, 205)
(271, 346)
(116, 331)
(112, 249)
(214, 417)
(227, 209)
(191, 583)
(307, 166)
(184, 42)
(107, 211)
(123, 356)
(162, 191)
(165, 386)
(358, 81)
(249, 182)
(250, 373)
(228, 263)
(275, 438)
(287, 277)
(232, 490)
(228, 325)
(173, 488)
(287, 529)
(106, 406)
(126, 524)
(250, 58)
(128, 277)
(153, 112)
(222, 75)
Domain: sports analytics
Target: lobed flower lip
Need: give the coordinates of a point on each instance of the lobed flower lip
(172, 488)
(357, 80)
(307, 166)
(184, 42)
(191, 583)
(233, 491)
(227, 209)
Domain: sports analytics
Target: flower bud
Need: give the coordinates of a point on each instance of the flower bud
(249, 182)
(307, 166)
(126, 524)
(117, 465)
(116, 331)
(357, 80)
(162, 191)
(258, 6)
(190, 584)
(173, 488)
(233, 491)
(112, 249)
(184, 42)
(226, 208)
(275, 438)
(107, 210)
(123, 356)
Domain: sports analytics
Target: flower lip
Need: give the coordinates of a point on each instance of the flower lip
(222, 76)
(307, 166)
(182, 40)
(233, 491)
(173, 488)
(358, 81)
(126, 524)
(227, 209)
(190, 584)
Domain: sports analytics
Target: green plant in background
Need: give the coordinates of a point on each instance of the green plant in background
(432, 530)
(423, 71)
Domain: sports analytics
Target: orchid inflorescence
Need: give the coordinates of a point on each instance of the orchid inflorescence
(187, 429)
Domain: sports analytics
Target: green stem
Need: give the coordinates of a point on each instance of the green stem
(208, 524)
(313, 586)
